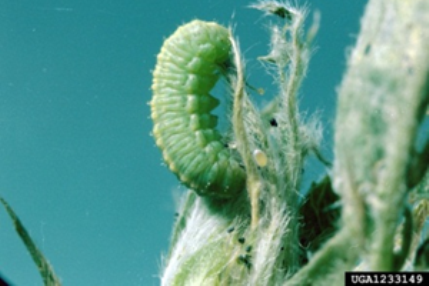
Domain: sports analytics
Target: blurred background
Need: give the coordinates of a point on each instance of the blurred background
(77, 162)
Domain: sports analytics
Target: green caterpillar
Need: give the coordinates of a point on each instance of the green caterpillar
(187, 68)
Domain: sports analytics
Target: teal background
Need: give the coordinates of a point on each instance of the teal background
(77, 162)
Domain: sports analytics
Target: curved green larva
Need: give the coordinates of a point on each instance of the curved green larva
(187, 69)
